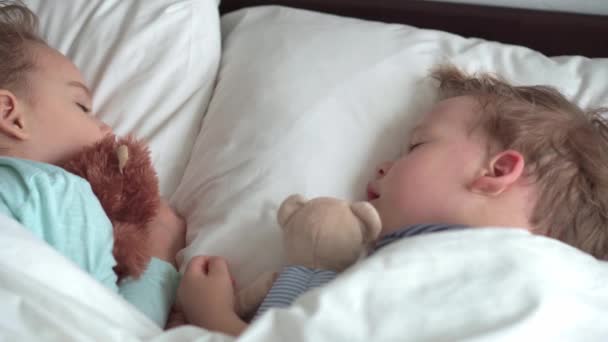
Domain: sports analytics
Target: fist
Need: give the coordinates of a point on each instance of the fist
(206, 293)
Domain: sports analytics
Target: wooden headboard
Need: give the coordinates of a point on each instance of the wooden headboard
(553, 33)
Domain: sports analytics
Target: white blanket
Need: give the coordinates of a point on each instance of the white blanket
(483, 284)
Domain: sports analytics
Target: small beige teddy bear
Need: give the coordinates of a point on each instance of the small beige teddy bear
(321, 233)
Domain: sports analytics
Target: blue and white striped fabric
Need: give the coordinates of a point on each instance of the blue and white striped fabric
(295, 280)
(413, 230)
(291, 283)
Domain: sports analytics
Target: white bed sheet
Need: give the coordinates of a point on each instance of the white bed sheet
(508, 286)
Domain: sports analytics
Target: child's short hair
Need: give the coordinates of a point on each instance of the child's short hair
(565, 150)
(18, 26)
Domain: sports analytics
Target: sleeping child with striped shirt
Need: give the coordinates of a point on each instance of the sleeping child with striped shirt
(488, 154)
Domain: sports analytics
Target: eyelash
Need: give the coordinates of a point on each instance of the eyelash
(413, 146)
(84, 109)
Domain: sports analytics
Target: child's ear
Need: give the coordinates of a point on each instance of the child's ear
(503, 170)
(12, 121)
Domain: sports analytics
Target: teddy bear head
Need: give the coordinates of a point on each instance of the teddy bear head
(327, 233)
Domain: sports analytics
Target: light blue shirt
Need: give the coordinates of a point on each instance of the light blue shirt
(60, 208)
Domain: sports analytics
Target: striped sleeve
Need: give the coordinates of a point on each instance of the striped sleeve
(291, 283)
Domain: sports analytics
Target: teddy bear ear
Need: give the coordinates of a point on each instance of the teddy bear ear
(370, 217)
(288, 207)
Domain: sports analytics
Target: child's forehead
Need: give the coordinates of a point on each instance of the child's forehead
(454, 115)
(54, 66)
(51, 60)
(458, 111)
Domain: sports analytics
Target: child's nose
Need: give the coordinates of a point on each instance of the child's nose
(383, 168)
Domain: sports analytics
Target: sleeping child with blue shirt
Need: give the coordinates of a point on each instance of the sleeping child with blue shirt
(45, 118)
(487, 154)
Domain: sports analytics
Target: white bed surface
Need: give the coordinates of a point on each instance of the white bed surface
(507, 286)
(598, 7)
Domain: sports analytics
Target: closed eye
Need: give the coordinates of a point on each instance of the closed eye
(413, 146)
(83, 108)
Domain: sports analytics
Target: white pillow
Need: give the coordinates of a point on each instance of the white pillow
(310, 103)
(151, 65)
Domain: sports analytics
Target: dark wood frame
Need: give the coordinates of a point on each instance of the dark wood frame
(553, 33)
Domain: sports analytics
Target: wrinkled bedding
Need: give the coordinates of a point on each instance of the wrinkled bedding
(498, 284)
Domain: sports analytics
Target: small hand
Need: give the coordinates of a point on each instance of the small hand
(206, 295)
(167, 234)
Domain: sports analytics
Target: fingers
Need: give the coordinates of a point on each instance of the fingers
(218, 267)
(208, 265)
(198, 264)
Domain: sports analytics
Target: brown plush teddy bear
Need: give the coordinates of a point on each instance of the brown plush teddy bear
(123, 179)
(321, 233)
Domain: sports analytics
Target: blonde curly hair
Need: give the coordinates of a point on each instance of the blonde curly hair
(565, 149)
